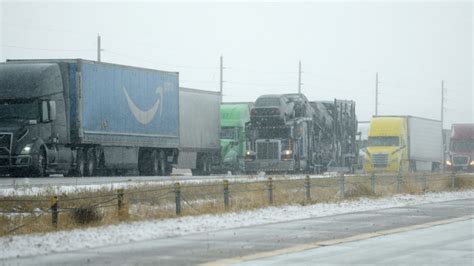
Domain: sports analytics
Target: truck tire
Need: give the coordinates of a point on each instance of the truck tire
(40, 167)
(153, 165)
(162, 163)
(80, 163)
(90, 163)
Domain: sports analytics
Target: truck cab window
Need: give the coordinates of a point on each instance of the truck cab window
(383, 141)
(462, 146)
(25, 109)
(228, 133)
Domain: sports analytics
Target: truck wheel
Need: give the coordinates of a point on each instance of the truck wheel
(162, 163)
(80, 163)
(90, 163)
(154, 164)
(40, 168)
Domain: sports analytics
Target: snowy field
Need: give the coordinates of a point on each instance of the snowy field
(36, 244)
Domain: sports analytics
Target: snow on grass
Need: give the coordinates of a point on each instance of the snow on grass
(25, 188)
(37, 244)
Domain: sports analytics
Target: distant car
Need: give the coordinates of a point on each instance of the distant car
(272, 108)
(302, 106)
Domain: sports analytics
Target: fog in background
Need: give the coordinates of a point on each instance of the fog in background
(413, 46)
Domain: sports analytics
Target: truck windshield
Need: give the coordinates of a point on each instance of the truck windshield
(273, 133)
(462, 145)
(383, 141)
(228, 133)
(271, 101)
(19, 109)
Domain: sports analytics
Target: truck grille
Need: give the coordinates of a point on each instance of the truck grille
(5, 143)
(460, 160)
(380, 159)
(4, 161)
(268, 150)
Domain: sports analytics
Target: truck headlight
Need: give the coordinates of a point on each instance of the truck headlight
(26, 149)
(250, 156)
(448, 162)
(287, 155)
(471, 163)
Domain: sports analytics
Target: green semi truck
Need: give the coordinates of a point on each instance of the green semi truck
(233, 140)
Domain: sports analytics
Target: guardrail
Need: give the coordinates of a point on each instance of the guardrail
(221, 196)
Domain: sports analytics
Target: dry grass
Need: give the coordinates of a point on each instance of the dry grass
(31, 214)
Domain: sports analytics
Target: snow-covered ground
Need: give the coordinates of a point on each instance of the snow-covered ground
(36, 244)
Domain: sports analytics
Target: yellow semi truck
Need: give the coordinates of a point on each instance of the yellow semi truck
(402, 144)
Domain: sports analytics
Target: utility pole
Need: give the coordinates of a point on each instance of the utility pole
(98, 48)
(299, 77)
(442, 104)
(377, 93)
(221, 83)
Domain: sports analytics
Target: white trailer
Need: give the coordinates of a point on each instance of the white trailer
(425, 143)
(199, 118)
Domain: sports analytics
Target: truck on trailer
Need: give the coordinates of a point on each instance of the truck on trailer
(199, 120)
(234, 116)
(461, 148)
(81, 117)
(320, 136)
(403, 143)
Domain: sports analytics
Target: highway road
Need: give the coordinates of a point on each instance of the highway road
(445, 244)
(291, 242)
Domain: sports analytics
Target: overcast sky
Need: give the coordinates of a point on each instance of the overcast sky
(413, 46)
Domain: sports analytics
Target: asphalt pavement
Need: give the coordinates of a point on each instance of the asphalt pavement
(247, 244)
(447, 244)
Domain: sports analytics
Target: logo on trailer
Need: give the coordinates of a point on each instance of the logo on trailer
(145, 116)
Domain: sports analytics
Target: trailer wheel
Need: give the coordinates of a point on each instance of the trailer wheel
(40, 168)
(152, 167)
(162, 163)
(90, 162)
(80, 163)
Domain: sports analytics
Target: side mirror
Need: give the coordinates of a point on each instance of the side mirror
(44, 112)
(52, 110)
(48, 111)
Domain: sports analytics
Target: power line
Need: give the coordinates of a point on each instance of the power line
(46, 49)
(160, 63)
(259, 72)
(259, 84)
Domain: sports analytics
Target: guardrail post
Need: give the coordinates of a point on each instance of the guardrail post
(177, 191)
(425, 186)
(226, 194)
(341, 185)
(399, 181)
(307, 184)
(453, 181)
(270, 191)
(122, 212)
(54, 211)
(372, 182)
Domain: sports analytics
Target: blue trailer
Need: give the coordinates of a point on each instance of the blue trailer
(87, 118)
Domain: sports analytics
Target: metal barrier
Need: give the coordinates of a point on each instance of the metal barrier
(291, 190)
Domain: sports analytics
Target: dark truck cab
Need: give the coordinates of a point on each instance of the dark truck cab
(85, 118)
(30, 127)
(461, 148)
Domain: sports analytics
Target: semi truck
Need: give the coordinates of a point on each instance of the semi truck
(234, 116)
(84, 118)
(402, 144)
(199, 121)
(318, 139)
(461, 148)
